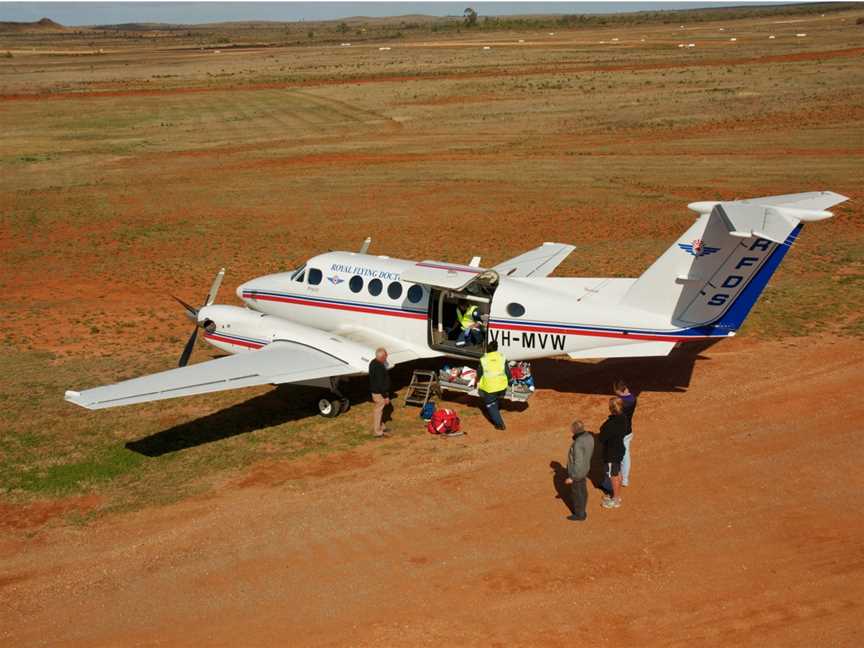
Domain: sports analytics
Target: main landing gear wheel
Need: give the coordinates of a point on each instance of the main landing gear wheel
(329, 407)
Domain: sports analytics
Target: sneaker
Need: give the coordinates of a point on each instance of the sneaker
(611, 503)
(577, 518)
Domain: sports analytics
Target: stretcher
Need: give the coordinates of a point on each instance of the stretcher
(516, 392)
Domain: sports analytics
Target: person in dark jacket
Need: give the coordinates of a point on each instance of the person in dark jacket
(622, 391)
(578, 465)
(612, 434)
(379, 387)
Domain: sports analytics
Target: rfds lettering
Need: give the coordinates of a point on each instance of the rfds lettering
(735, 280)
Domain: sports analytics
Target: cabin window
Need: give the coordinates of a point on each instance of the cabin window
(415, 294)
(515, 310)
(356, 283)
(394, 290)
(315, 276)
(375, 287)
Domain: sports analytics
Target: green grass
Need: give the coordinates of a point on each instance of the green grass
(155, 453)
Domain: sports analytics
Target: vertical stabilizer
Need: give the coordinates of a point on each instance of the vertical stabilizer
(716, 270)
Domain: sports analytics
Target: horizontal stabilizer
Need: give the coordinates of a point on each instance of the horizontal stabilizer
(745, 221)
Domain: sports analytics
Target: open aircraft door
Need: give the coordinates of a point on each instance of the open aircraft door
(449, 284)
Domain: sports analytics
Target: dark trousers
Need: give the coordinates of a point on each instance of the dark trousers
(490, 401)
(579, 491)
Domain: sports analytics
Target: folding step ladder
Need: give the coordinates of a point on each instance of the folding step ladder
(422, 388)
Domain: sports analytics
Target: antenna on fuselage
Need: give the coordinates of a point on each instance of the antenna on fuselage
(365, 247)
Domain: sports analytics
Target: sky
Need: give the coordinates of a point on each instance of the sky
(95, 13)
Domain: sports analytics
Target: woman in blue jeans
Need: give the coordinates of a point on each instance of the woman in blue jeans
(622, 391)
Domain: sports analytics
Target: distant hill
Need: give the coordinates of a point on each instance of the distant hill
(43, 25)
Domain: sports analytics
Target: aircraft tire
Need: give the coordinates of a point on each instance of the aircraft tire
(329, 407)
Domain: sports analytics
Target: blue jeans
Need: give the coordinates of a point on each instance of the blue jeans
(625, 462)
(490, 401)
(469, 336)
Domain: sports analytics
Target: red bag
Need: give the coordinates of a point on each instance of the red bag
(444, 421)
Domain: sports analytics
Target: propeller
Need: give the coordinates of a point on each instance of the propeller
(192, 313)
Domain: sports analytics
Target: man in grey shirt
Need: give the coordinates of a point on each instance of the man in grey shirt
(578, 465)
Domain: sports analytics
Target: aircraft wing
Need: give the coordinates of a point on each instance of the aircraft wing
(539, 262)
(278, 362)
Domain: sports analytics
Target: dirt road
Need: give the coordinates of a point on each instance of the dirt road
(741, 527)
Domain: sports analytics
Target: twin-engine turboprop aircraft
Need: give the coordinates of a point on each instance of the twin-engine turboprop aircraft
(323, 321)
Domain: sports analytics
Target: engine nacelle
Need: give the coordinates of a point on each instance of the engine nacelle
(234, 329)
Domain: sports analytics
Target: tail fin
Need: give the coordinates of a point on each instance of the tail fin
(712, 276)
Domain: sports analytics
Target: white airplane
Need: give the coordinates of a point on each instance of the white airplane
(322, 322)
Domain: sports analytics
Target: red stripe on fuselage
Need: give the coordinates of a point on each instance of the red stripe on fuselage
(356, 309)
(243, 343)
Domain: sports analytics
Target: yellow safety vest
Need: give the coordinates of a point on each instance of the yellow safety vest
(494, 378)
(466, 319)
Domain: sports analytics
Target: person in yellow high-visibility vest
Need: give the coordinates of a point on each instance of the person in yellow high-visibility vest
(494, 377)
(468, 317)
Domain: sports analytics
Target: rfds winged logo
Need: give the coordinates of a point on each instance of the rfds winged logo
(335, 280)
(697, 248)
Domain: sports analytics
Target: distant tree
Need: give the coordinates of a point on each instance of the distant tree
(470, 17)
(342, 28)
(310, 34)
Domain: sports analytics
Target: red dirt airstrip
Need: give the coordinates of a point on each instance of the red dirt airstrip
(741, 527)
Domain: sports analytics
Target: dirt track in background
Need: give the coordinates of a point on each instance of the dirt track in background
(453, 76)
(741, 527)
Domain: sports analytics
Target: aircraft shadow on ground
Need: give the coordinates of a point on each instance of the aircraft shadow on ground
(671, 373)
(294, 402)
(281, 404)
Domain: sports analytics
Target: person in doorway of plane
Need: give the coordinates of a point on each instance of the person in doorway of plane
(468, 316)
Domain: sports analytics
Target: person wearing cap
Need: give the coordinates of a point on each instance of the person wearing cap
(578, 465)
(493, 379)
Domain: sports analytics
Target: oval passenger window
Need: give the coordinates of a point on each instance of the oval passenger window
(356, 283)
(394, 290)
(415, 294)
(515, 310)
(375, 287)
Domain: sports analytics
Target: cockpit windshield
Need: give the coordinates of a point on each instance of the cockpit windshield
(299, 274)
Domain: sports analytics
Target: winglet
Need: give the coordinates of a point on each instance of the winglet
(74, 397)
